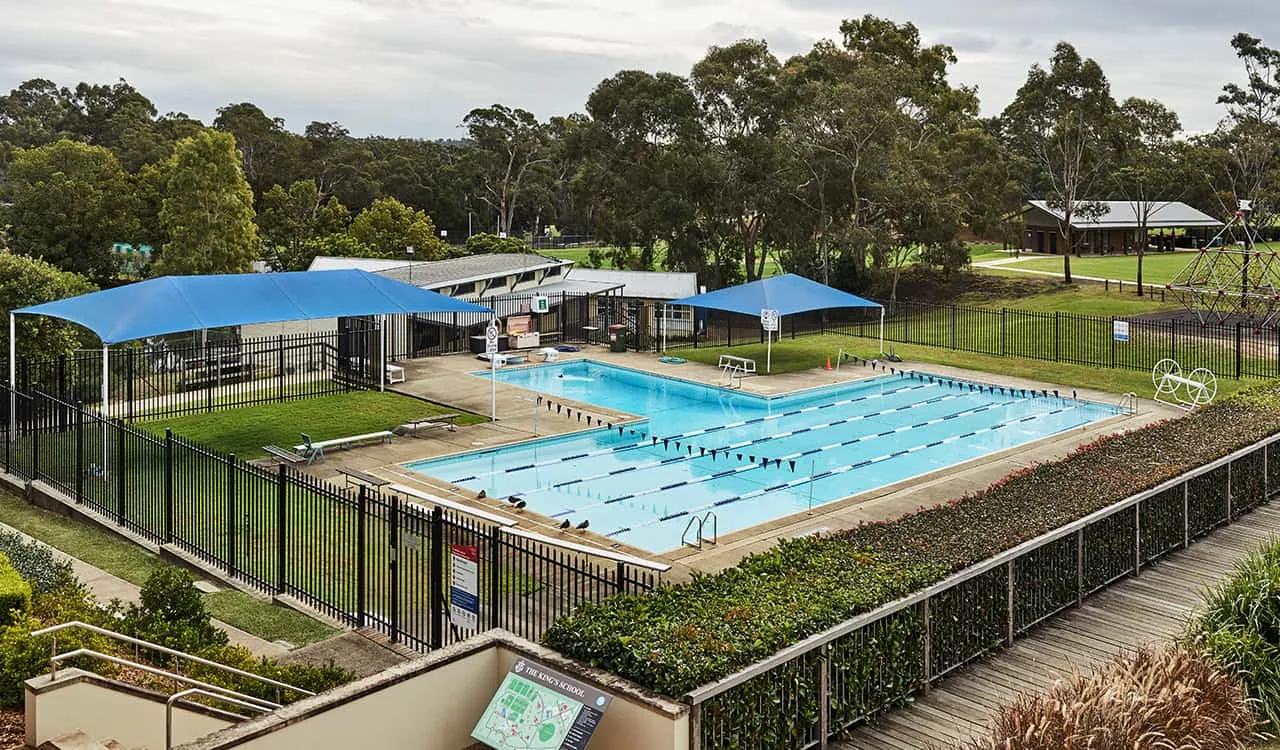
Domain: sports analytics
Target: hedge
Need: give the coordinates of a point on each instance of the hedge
(34, 561)
(15, 593)
(678, 638)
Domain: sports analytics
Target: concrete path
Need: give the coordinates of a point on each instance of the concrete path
(105, 587)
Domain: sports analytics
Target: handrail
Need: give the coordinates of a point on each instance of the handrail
(684, 541)
(639, 562)
(710, 690)
(53, 653)
(266, 704)
(1129, 402)
(168, 709)
(715, 528)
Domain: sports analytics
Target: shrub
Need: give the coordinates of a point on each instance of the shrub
(1150, 699)
(170, 612)
(15, 593)
(676, 639)
(35, 562)
(1240, 629)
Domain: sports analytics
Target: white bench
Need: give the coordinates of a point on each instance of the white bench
(395, 374)
(314, 449)
(742, 364)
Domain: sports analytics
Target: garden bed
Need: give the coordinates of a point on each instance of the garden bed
(676, 639)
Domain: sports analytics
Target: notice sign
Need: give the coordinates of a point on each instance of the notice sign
(464, 587)
(1120, 330)
(769, 319)
(491, 338)
(536, 708)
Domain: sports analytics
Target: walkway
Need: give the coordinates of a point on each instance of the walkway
(104, 586)
(1148, 609)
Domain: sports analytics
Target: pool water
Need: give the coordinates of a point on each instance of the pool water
(748, 459)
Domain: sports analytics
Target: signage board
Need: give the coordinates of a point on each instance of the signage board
(537, 708)
(464, 586)
(769, 319)
(541, 304)
(1120, 330)
(491, 339)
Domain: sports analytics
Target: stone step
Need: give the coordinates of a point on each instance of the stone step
(78, 740)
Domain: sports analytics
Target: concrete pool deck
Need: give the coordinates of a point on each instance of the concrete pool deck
(448, 380)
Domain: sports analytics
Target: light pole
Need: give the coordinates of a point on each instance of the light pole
(409, 252)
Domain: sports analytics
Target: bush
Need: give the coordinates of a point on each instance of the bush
(1240, 629)
(15, 593)
(170, 612)
(35, 562)
(676, 639)
(1150, 699)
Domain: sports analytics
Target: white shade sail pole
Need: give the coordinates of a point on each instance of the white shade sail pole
(13, 374)
(663, 322)
(882, 330)
(382, 352)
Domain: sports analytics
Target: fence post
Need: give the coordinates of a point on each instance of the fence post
(1009, 601)
(495, 577)
(128, 382)
(436, 589)
(168, 486)
(1004, 347)
(80, 453)
(1057, 316)
(33, 426)
(282, 578)
(280, 362)
(120, 483)
(393, 569)
(1080, 567)
(1239, 345)
(953, 327)
(1113, 342)
(362, 559)
(1137, 537)
(1229, 503)
(928, 643)
(1186, 514)
(824, 696)
(231, 514)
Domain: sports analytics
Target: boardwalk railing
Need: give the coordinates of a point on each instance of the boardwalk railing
(367, 559)
(806, 694)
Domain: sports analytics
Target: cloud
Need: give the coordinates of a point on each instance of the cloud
(415, 67)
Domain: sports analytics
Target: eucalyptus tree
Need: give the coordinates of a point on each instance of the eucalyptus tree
(508, 148)
(1059, 120)
(1148, 170)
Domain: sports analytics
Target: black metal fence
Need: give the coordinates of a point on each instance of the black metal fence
(366, 558)
(1237, 351)
(811, 692)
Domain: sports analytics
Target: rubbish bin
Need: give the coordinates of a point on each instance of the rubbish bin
(618, 337)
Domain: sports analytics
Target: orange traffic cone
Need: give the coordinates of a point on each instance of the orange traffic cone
(828, 363)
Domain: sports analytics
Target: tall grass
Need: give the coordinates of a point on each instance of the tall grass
(1171, 699)
(1240, 628)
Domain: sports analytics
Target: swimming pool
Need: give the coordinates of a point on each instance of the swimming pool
(748, 459)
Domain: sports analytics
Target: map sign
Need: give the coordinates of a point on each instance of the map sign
(536, 708)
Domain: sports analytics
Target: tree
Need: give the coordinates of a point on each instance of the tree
(207, 210)
(388, 228)
(36, 113)
(69, 202)
(508, 147)
(289, 218)
(1059, 121)
(1148, 174)
(28, 281)
(267, 150)
(339, 245)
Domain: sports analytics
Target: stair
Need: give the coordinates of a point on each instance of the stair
(78, 740)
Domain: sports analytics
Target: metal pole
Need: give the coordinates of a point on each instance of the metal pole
(382, 352)
(493, 386)
(768, 360)
(13, 374)
(882, 329)
(102, 412)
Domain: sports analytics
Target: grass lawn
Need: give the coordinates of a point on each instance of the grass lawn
(810, 352)
(244, 430)
(126, 560)
(1157, 268)
(1081, 299)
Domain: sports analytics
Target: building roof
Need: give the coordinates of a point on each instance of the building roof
(642, 284)
(433, 274)
(173, 304)
(513, 303)
(1124, 215)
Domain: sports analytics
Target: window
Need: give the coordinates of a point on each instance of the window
(527, 276)
(553, 271)
(675, 312)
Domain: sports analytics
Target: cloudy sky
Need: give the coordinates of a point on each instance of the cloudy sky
(415, 67)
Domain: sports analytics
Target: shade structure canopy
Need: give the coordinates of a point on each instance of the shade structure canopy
(788, 294)
(173, 304)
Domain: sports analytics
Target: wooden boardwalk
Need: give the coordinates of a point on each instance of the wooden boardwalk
(1150, 608)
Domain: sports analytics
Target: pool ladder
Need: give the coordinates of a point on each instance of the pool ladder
(1129, 403)
(700, 523)
(731, 372)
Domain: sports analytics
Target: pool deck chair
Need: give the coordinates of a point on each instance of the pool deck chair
(314, 449)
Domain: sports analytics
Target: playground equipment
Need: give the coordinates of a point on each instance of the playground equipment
(1231, 277)
(1197, 388)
